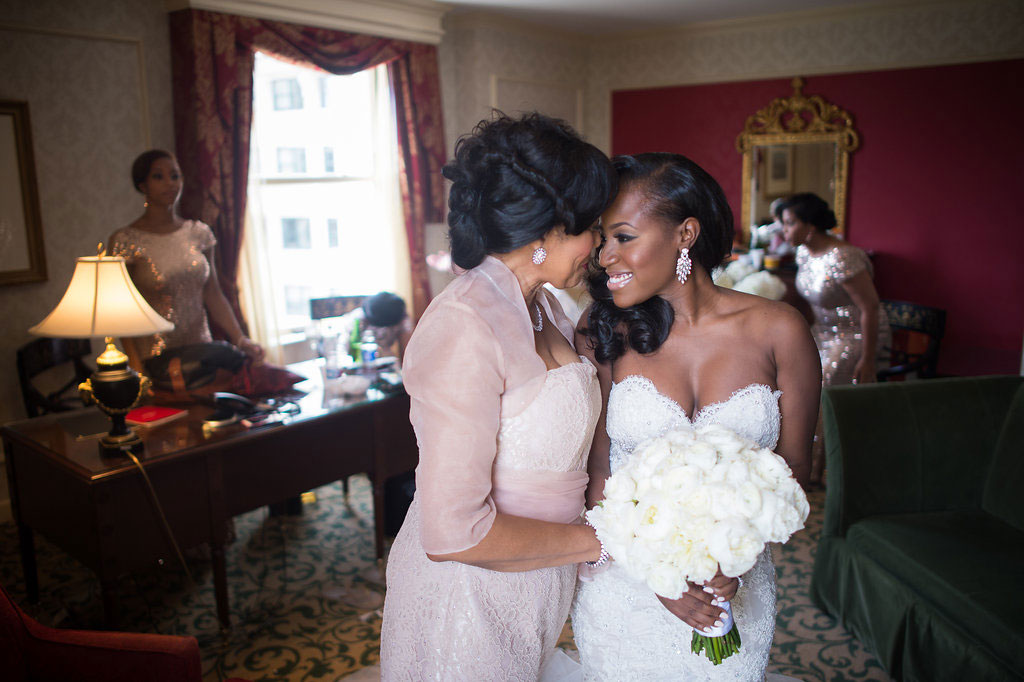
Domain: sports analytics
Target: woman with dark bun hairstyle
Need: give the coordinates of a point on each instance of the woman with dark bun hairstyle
(482, 573)
(171, 262)
(673, 351)
(850, 326)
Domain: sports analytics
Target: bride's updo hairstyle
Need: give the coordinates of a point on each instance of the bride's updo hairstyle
(514, 179)
(674, 189)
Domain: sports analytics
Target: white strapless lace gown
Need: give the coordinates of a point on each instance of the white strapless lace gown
(623, 632)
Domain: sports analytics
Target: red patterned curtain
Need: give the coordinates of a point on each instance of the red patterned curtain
(213, 57)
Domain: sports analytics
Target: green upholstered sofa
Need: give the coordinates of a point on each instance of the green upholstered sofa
(922, 551)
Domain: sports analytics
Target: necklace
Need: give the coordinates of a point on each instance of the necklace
(539, 324)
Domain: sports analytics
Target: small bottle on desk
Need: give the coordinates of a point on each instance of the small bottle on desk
(368, 346)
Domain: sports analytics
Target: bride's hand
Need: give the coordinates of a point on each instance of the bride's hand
(724, 587)
(696, 608)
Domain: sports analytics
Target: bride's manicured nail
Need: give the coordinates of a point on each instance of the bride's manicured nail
(708, 590)
(707, 630)
(718, 623)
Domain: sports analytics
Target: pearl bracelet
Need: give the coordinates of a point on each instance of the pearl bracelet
(603, 558)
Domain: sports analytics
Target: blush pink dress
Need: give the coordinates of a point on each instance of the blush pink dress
(497, 432)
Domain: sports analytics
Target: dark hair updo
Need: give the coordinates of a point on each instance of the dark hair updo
(811, 209)
(143, 163)
(514, 179)
(674, 189)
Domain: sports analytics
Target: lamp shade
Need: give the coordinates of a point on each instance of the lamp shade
(101, 301)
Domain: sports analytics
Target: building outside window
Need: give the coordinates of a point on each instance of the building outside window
(287, 94)
(296, 299)
(295, 233)
(332, 233)
(328, 160)
(291, 160)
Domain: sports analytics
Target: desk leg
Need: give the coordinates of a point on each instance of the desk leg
(220, 585)
(26, 539)
(108, 592)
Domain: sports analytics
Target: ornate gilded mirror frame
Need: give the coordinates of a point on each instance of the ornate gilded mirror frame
(799, 119)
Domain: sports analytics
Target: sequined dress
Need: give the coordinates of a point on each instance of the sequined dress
(622, 630)
(170, 270)
(837, 329)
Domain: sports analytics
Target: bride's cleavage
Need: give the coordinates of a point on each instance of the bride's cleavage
(644, 381)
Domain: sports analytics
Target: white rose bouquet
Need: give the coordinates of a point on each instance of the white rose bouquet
(694, 500)
(743, 277)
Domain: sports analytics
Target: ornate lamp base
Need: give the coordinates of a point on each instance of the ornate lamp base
(115, 388)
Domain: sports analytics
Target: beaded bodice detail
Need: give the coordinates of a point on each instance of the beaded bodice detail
(638, 411)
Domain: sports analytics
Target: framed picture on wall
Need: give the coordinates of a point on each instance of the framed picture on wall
(779, 171)
(22, 255)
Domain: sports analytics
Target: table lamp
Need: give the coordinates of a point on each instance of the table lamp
(102, 301)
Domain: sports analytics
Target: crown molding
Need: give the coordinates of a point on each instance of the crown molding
(415, 20)
(783, 20)
(468, 20)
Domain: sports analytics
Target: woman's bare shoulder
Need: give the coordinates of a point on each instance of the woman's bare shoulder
(771, 319)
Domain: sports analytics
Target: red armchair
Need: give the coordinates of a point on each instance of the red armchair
(30, 651)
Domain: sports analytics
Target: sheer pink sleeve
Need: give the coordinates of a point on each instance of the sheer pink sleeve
(454, 374)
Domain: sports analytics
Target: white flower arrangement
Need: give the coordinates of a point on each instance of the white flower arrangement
(742, 277)
(693, 501)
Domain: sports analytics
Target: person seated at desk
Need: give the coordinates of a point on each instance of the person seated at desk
(385, 315)
(171, 262)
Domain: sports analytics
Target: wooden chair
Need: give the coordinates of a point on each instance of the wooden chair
(40, 355)
(917, 333)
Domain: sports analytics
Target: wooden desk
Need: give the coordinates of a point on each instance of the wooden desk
(99, 509)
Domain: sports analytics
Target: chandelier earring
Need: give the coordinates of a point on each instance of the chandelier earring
(683, 265)
(540, 255)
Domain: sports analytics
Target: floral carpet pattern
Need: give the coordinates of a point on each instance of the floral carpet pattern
(306, 596)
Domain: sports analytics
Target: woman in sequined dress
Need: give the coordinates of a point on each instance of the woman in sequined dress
(171, 263)
(850, 326)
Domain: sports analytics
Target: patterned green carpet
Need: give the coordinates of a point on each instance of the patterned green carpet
(306, 596)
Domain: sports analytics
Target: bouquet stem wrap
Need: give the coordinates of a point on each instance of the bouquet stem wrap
(721, 642)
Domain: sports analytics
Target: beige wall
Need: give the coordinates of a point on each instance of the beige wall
(478, 50)
(97, 78)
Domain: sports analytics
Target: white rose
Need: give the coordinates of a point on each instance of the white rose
(720, 278)
(666, 580)
(620, 486)
(735, 544)
(737, 270)
(702, 455)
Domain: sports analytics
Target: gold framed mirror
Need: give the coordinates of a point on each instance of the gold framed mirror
(795, 144)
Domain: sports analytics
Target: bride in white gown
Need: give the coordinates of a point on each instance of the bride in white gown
(672, 350)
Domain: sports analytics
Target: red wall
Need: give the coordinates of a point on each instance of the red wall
(933, 187)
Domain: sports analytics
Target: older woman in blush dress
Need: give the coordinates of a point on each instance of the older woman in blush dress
(481, 575)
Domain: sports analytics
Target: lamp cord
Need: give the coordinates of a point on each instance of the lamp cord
(163, 518)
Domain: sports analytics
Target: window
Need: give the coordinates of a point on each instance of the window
(295, 233)
(291, 160)
(287, 93)
(332, 233)
(297, 207)
(296, 299)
